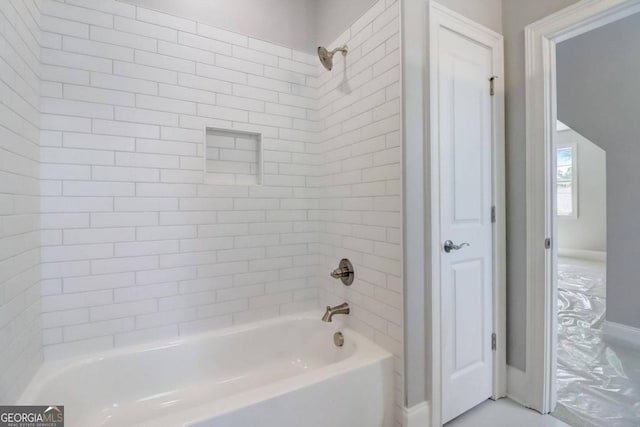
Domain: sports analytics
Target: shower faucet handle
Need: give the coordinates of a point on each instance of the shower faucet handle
(344, 272)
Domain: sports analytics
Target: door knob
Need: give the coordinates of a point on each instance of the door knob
(450, 246)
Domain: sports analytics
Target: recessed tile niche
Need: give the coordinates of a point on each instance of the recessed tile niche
(233, 157)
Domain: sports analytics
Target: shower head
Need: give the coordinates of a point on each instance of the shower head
(326, 57)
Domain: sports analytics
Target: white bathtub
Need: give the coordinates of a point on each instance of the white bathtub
(281, 372)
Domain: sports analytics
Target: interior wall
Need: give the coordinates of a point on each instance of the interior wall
(485, 12)
(601, 103)
(517, 14)
(135, 246)
(415, 193)
(300, 24)
(359, 112)
(587, 232)
(290, 23)
(20, 333)
(333, 17)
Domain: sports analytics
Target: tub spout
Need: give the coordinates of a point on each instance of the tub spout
(338, 309)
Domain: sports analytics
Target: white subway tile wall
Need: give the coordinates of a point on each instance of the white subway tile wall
(361, 179)
(137, 244)
(20, 332)
(140, 244)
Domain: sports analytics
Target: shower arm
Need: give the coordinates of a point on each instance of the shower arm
(342, 49)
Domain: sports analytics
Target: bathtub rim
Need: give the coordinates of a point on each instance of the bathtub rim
(366, 352)
(198, 414)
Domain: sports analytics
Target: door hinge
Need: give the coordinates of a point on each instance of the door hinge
(492, 86)
(493, 341)
(493, 214)
(547, 243)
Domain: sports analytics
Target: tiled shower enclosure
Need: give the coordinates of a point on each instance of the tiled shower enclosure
(161, 177)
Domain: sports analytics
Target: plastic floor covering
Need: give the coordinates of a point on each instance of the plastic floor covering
(598, 381)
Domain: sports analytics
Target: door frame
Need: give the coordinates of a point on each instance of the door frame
(541, 114)
(440, 16)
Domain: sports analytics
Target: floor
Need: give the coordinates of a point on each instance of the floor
(598, 382)
(504, 413)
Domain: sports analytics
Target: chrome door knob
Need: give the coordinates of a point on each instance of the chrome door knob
(450, 246)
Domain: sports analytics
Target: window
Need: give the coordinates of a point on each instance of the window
(567, 185)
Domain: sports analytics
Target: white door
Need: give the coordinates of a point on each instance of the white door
(464, 145)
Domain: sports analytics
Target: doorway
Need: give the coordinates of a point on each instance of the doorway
(581, 202)
(620, 327)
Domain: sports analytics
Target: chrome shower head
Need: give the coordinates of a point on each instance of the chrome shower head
(326, 57)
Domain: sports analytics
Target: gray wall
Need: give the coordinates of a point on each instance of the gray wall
(587, 232)
(333, 17)
(286, 22)
(299, 24)
(516, 15)
(599, 96)
(485, 12)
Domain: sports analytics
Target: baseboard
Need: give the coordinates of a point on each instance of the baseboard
(618, 333)
(517, 385)
(416, 416)
(583, 254)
